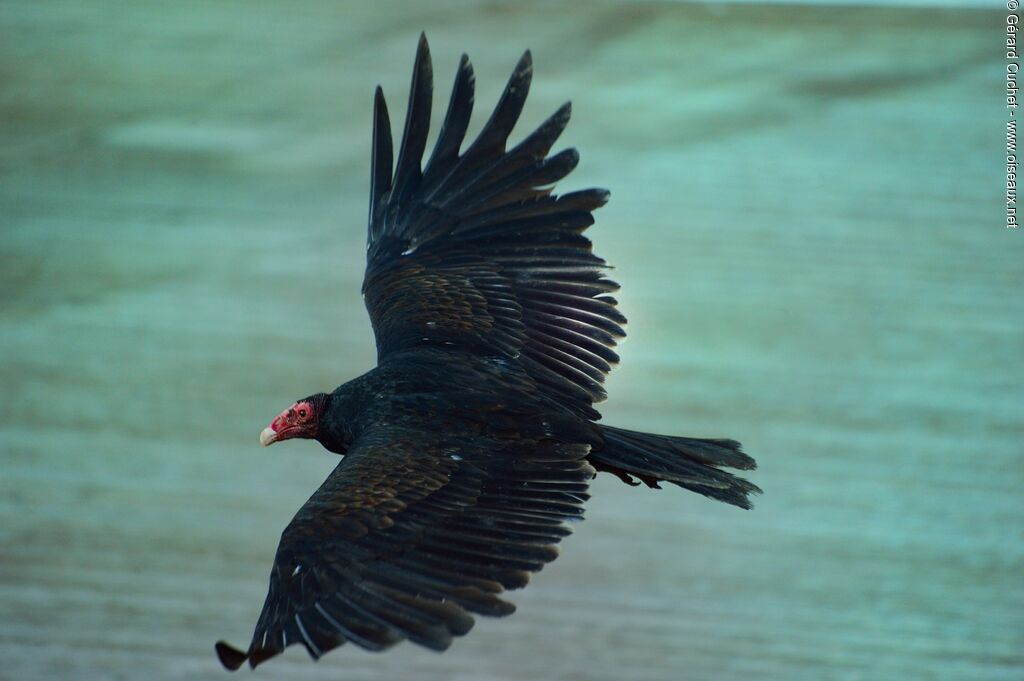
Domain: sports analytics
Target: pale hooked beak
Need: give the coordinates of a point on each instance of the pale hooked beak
(268, 436)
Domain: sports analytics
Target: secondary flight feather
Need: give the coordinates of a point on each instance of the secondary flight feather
(470, 446)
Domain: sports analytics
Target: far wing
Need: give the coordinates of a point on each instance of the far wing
(473, 251)
(409, 535)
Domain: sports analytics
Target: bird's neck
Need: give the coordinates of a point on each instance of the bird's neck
(339, 420)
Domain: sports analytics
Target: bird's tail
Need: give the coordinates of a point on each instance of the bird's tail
(685, 461)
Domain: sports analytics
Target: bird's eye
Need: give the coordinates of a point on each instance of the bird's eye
(302, 413)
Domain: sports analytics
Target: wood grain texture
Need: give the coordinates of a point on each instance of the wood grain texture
(806, 221)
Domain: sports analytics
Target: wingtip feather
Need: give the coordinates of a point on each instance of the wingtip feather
(232, 658)
(422, 47)
(527, 59)
(382, 156)
(417, 117)
(523, 71)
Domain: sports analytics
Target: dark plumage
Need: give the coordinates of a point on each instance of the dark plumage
(473, 441)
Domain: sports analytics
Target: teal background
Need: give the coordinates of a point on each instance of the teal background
(807, 221)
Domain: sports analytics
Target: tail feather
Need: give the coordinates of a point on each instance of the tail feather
(690, 463)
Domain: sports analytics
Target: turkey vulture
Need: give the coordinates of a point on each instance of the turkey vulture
(472, 443)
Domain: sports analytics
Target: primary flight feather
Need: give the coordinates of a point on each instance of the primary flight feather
(472, 443)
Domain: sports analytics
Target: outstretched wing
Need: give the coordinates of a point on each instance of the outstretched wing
(410, 534)
(474, 252)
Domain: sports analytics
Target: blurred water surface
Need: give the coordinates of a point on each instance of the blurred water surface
(805, 219)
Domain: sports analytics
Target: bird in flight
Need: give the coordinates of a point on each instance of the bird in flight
(472, 443)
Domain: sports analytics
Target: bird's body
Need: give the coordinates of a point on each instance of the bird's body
(447, 391)
(472, 443)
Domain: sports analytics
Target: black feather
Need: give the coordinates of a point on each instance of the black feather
(380, 163)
